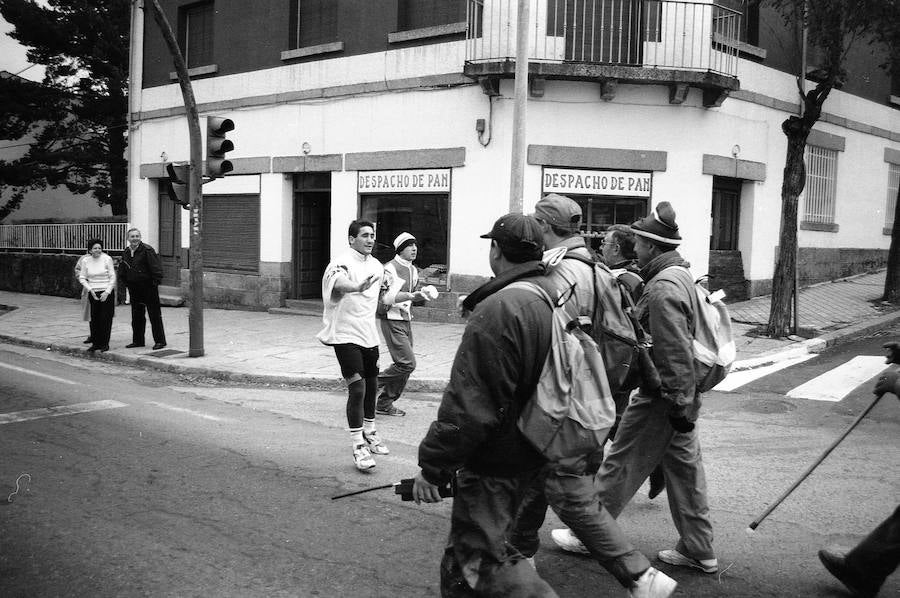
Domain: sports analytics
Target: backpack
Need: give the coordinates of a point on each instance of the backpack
(714, 348)
(572, 409)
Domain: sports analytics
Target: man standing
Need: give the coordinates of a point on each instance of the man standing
(398, 295)
(475, 440)
(142, 272)
(350, 295)
(659, 424)
(568, 486)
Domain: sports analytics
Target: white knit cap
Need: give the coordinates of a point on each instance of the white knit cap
(403, 238)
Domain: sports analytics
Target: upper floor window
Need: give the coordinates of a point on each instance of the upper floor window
(821, 182)
(196, 28)
(891, 203)
(313, 22)
(418, 14)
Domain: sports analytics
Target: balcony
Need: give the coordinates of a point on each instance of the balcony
(651, 42)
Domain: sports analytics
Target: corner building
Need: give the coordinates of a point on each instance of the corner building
(401, 111)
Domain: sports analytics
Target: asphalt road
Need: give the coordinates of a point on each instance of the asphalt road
(192, 488)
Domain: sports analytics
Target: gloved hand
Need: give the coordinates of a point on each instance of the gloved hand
(893, 352)
(681, 423)
(887, 383)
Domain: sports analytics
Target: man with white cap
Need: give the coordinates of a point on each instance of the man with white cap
(658, 426)
(398, 295)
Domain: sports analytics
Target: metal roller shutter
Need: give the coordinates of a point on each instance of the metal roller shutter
(231, 233)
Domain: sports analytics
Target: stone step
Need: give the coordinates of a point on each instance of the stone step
(170, 296)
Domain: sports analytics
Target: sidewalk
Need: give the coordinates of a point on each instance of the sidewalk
(267, 348)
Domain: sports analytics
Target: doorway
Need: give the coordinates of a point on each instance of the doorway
(312, 223)
(726, 213)
(169, 249)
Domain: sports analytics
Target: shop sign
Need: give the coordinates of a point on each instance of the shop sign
(431, 180)
(596, 182)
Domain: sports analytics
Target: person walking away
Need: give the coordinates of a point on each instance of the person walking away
(475, 441)
(398, 295)
(568, 486)
(864, 569)
(350, 289)
(142, 272)
(98, 278)
(618, 253)
(85, 304)
(659, 426)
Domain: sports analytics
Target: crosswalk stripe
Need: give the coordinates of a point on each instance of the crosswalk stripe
(30, 414)
(33, 373)
(737, 379)
(837, 383)
(188, 411)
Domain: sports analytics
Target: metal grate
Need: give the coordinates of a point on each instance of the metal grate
(821, 181)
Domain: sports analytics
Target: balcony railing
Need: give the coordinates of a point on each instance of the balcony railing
(661, 34)
(62, 237)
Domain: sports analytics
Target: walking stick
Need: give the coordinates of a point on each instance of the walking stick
(753, 525)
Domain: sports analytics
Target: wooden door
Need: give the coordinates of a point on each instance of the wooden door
(312, 223)
(169, 239)
(726, 203)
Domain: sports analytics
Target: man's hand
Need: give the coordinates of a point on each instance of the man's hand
(887, 382)
(369, 281)
(892, 354)
(425, 491)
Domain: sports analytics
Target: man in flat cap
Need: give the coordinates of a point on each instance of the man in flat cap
(475, 441)
(398, 294)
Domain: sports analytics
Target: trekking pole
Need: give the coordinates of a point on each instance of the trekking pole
(754, 524)
(403, 488)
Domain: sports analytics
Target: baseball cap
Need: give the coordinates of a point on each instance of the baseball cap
(519, 236)
(560, 211)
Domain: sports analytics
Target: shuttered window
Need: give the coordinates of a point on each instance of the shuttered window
(821, 183)
(313, 22)
(231, 233)
(418, 14)
(197, 34)
(891, 204)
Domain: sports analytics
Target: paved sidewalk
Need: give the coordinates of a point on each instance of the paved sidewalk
(262, 347)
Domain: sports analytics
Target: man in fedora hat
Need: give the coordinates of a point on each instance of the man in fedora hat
(658, 426)
(398, 295)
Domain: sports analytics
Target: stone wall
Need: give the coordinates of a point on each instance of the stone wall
(255, 291)
(819, 264)
(39, 274)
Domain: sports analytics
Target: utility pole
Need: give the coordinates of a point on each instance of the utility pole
(195, 181)
(519, 148)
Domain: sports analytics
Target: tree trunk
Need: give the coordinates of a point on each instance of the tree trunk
(892, 280)
(118, 166)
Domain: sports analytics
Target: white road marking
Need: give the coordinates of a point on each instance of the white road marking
(30, 414)
(33, 373)
(189, 412)
(835, 384)
(737, 379)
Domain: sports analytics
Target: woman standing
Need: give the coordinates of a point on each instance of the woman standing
(98, 277)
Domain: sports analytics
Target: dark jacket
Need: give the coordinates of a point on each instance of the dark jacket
(496, 369)
(666, 312)
(142, 268)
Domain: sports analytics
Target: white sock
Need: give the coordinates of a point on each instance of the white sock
(369, 426)
(356, 434)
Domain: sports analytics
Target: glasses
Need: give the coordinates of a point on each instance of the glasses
(609, 243)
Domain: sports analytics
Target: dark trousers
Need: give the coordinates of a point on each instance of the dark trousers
(478, 561)
(878, 555)
(146, 297)
(102, 313)
(399, 341)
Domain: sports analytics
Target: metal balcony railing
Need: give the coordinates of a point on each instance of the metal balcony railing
(663, 34)
(63, 237)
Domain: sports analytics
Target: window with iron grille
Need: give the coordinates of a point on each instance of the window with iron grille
(418, 14)
(312, 23)
(197, 34)
(821, 180)
(891, 204)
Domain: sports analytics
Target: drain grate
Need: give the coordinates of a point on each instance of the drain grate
(164, 353)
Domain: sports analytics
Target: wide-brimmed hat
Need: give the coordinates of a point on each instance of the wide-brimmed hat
(659, 225)
(519, 236)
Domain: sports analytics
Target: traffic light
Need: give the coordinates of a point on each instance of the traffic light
(216, 146)
(177, 184)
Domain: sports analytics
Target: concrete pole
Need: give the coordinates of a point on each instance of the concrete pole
(519, 148)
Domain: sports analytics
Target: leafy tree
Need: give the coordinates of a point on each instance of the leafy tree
(833, 28)
(74, 122)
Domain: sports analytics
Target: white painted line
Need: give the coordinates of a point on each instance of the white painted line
(836, 384)
(24, 416)
(33, 373)
(735, 380)
(188, 411)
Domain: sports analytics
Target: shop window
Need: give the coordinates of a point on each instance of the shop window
(891, 204)
(231, 233)
(196, 23)
(418, 14)
(821, 181)
(600, 212)
(425, 216)
(312, 23)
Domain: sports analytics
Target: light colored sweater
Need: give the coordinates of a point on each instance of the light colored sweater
(98, 273)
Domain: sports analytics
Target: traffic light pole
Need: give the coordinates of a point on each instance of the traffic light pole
(195, 181)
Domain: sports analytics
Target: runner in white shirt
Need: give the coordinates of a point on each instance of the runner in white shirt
(350, 289)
